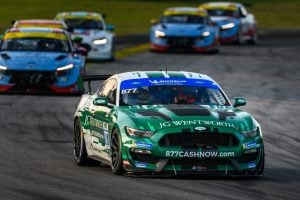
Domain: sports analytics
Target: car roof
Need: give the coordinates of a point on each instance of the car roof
(185, 10)
(221, 5)
(79, 14)
(39, 23)
(160, 74)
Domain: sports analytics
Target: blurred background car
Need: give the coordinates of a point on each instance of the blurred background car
(97, 37)
(184, 28)
(235, 23)
(47, 23)
(39, 60)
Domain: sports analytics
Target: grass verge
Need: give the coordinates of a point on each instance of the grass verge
(133, 16)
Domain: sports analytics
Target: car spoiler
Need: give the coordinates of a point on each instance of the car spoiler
(90, 78)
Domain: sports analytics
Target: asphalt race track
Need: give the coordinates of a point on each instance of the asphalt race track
(36, 144)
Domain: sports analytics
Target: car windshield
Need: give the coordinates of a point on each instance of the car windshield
(183, 19)
(170, 91)
(221, 12)
(84, 23)
(35, 44)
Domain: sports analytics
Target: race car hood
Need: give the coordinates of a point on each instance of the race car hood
(188, 30)
(34, 60)
(87, 34)
(159, 117)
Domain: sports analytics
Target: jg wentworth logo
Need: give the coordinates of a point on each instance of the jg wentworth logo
(196, 122)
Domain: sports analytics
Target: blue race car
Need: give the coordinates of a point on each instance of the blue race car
(39, 60)
(235, 23)
(184, 28)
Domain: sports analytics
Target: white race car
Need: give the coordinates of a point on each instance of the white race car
(97, 37)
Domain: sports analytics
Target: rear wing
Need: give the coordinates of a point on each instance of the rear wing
(90, 78)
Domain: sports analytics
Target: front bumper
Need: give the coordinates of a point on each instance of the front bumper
(19, 81)
(219, 154)
(197, 44)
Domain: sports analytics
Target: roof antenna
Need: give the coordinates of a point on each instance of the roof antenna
(166, 70)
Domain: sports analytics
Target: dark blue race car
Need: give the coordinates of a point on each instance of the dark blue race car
(184, 28)
(39, 60)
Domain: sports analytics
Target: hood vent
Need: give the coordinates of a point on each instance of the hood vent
(60, 57)
(224, 114)
(152, 113)
(189, 110)
(5, 56)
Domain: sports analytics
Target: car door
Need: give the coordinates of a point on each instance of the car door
(100, 120)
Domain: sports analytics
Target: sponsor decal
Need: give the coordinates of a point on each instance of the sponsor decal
(145, 82)
(56, 35)
(197, 154)
(98, 124)
(168, 124)
(143, 145)
(250, 145)
(167, 82)
(141, 164)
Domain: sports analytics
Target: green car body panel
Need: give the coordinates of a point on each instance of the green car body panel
(178, 138)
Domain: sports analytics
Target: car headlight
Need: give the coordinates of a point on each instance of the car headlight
(205, 33)
(66, 67)
(138, 133)
(250, 133)
(3, 68)
(159, 34)
(100, 41)
(228, 26)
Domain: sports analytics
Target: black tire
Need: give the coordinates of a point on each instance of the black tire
(253, 39)
(216, 48)
(80, 154)
(116, 153)
(261, 165)
(239, 37)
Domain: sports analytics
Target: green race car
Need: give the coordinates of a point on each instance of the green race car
(166, 123)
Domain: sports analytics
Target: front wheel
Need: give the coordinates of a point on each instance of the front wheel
(253, 39)
(80, 154)
(116, 153)
(261, 165)
(239, 39)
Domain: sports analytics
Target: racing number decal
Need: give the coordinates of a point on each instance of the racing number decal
(128, 91)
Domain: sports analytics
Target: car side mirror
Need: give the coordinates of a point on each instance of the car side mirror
(239, 101)
(77, 39)
(110, 27)
(100, 101)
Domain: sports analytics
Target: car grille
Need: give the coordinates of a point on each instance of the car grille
(181, 41)
(206, 140)
(38, 80)
(145, 158)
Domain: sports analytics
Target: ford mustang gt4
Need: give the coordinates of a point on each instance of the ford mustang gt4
(166, 123)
